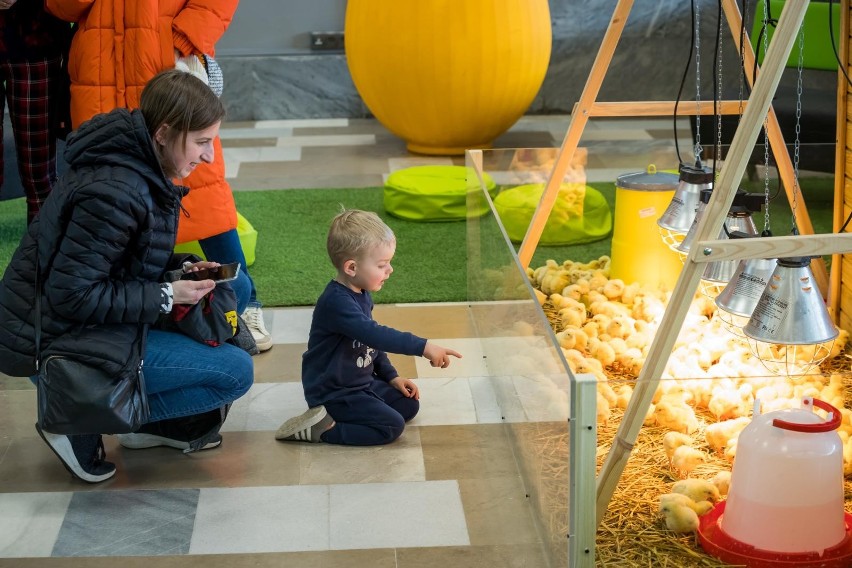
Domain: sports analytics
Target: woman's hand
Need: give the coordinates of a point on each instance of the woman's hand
(191, 291)
(6, 4)
(196, 266)
(406, 387)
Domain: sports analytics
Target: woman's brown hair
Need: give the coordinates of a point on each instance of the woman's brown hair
(180, 101)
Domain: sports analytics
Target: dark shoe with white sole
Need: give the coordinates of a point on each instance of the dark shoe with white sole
(188, 433)
(83, 456)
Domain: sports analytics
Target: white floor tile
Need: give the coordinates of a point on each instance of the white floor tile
(265, 407)
(30, 522)
(261, 519)
(263, 153)
(471, 364)
(397, 515)
(303, 123)
(327, 140)
(444, 402)
(289, 325)
(252, 133)
(485, 400)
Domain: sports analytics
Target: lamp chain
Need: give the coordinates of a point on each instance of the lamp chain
(766, 127)
(796, 142)
(718, 149)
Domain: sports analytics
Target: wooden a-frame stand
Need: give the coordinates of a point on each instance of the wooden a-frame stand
(587, 107)
(704, 248)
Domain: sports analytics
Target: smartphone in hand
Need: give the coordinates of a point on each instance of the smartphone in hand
(223, 273)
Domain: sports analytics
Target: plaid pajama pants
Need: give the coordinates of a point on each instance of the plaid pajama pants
(26, 87)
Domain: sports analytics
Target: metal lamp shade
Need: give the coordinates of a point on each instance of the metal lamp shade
(791, 310)
(790, 330)
(745, 287)
(737, 300)
(721, 272)
(679, 215)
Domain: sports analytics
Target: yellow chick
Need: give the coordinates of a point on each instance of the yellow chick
(697, 489)
(718, 434)
(701, 507)
(603, 410)
(686, 458)
(674, 440)
(613, 289)
(624, 392)
(722, 481)
(679, 518)
(677, 417)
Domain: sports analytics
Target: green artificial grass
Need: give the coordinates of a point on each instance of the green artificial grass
(292, 267)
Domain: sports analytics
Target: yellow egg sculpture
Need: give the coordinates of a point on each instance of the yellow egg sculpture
(446, 75)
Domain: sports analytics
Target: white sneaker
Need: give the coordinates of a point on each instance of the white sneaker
(253, 316)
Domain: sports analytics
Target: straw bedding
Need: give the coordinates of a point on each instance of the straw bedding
(632, 532)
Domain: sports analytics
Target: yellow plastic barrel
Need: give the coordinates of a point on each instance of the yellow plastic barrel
(638, 252)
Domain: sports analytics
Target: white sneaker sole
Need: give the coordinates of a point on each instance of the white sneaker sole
(143, 441)
(305, 420)
(61, 446)
(264, 344)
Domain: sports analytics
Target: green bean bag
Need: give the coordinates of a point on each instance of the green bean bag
(248, 240)
(580, 214)
(433, 193)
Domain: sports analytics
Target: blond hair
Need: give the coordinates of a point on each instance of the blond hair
(354, 232)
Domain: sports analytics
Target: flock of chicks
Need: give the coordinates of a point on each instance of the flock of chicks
(710, 383)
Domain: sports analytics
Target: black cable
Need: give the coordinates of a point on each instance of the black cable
(834, 46)
(683, 81)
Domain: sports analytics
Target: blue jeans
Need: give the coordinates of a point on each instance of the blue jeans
(224, 248)
(185, 377)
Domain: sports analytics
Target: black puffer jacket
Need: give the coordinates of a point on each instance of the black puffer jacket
(104, 237)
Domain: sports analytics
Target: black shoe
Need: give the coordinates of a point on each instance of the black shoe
(188, 433)
(83, 456)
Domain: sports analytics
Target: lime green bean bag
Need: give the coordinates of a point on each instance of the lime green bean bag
(433, 193)
(580, 214)
(248, 240)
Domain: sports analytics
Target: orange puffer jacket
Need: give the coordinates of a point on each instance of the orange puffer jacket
(118, 47)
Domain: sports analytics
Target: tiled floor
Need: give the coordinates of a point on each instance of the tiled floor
(448, 493)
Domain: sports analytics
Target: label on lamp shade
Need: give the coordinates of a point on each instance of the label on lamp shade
(647, 212)
(770, 312)
(749, 285)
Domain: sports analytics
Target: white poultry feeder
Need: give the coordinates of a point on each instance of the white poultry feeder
(785, 504)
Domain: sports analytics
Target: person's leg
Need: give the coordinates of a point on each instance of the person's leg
(407, 407)
(226, 247)
(184, 377)
(362, 419)
(30, 114)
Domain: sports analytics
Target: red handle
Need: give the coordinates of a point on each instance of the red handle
(833, 424)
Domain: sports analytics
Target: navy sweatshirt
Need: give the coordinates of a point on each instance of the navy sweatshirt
(347, 349)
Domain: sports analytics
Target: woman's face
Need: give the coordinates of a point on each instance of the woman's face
(180, 161)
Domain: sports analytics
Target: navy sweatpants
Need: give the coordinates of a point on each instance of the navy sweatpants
(370, 417)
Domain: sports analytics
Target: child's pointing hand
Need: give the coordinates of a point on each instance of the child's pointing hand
(439, 356)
